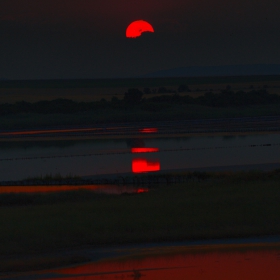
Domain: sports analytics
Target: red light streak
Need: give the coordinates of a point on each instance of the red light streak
(44, 189)
(140, 165)
(112, 189)
(148, 130)
(32, 132)
(142, 190)
(144, 150)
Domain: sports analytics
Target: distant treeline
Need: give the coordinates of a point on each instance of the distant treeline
(134, 98)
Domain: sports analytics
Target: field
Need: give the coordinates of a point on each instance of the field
(219, 205)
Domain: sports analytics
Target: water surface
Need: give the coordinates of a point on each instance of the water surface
(19, 160)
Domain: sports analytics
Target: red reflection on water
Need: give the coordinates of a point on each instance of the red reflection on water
(31, 132)
(144, 150)
(142, 165)
(181, 263)
(142, 190)
(109, 189)
(44, 189)
(148, 130)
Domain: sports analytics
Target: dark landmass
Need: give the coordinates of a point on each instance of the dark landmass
(134, 98)
(136, 106)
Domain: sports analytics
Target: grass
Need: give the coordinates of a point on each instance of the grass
(220, 206)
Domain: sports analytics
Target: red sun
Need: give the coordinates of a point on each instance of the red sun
(136, 28)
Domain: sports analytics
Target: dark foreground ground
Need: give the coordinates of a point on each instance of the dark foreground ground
(209, 207)
(38, 266)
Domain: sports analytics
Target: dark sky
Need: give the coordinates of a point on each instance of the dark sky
(44, 39)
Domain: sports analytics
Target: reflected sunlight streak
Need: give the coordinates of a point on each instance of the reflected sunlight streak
(144, 150)
(148, 130)
(142, 165)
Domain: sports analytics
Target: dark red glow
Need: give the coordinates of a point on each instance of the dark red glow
(32, 132)
(144, 150)
(136, 28)
(148, 130)
(109, 189)
(45, 189)
(140, 165)
(73, 130)
(142, 190)
(195, 262)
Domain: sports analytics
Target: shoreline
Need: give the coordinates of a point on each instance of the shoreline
(155, 135)
(128, 178)
(41, 262)
(150, 129)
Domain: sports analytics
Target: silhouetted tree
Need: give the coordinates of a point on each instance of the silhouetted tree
(228, 88)
(133, 96)
(147, 90)
(183, 88)
(115, 99)
(162, 90)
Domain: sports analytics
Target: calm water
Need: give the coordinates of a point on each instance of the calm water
(19, 160)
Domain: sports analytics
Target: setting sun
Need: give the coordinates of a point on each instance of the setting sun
(136, 28)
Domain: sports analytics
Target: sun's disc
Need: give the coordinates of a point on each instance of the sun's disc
(136, 28)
